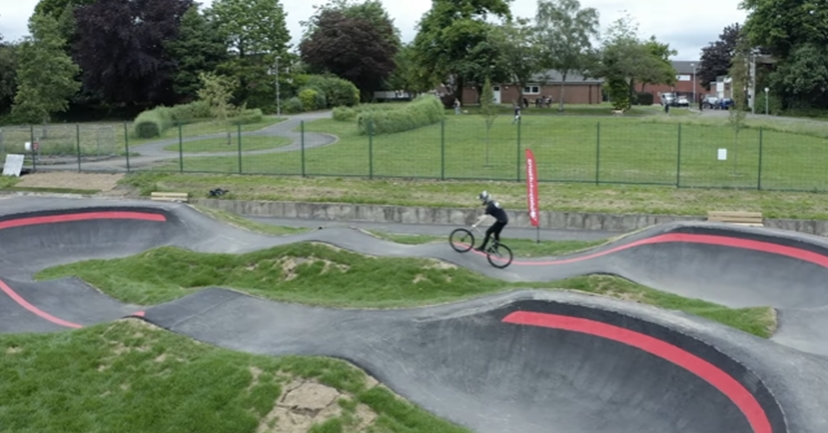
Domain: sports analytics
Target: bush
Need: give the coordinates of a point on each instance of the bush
(344, 114)
(152, 123)
(423, 111)
(194, 111)
(644, 98)
(338, 92)
(293, 105)
(247, 117)
(312, 99)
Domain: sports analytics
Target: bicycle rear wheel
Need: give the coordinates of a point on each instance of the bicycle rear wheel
(500, 256)
(462, 240)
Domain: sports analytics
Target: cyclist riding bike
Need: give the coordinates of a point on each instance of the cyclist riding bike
(493, 209)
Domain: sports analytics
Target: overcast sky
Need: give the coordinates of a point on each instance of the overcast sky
(686, 26)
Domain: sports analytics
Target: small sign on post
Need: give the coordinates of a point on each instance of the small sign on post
(13, 165)
(722, 154)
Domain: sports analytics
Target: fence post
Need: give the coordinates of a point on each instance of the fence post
(678, 159)
(759, 177)
(239, 134)
(126, 145)
(518, 150)
(598, 153)
(180, 150)
(443, 149)
(371, 149)
(302, 142)
(77, 144)
(34, 152)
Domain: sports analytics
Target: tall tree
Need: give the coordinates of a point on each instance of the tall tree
(256, 34)
(489, 111)
(121, 48)
(46, 75)
(520, 51)
(779, 26)
(371, 10)
(198, 48)
(717, 57)
(565, 35)
(55, 8)
(8, 75)
(352, 48)
(802, 79)
(448, 35)
(661, 70)
(408, 75)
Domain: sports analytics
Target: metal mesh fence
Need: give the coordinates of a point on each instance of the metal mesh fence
(567, 149)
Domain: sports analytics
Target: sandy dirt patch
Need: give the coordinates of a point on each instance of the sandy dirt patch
(103, 182)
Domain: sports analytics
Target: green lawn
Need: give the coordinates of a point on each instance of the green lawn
(317, 274)
(131, 377)
(658, 149)
(230, 144)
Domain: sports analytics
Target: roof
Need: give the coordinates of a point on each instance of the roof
(686, 66)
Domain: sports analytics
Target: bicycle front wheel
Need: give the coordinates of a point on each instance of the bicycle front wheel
(462, 240)
(500, 256)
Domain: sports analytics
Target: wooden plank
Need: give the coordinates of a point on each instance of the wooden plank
(170, 196)
(735, 217)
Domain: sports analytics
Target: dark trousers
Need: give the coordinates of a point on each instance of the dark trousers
(495, 230)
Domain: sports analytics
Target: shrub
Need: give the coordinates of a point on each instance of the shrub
(187, 113)
(293, 105)
(338, 92)
(344, 114)
(247, 117)
(152, 123)
(644, 98)
(312, 99)
(424, 110)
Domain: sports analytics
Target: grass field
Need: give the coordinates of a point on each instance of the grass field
(131, 377)
(317, 274)
(579, 149)
(248, 143)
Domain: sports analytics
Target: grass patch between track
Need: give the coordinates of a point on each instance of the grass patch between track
(129, 376)
(318, 274)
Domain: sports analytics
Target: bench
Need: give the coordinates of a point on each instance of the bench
(170, 196)
(740, 218)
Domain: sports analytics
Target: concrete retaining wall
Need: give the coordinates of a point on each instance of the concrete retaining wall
(463, 216)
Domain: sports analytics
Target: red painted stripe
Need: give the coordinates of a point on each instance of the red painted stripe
(715, 376)
(82, 216)
(726, 241)
(25, 304)
(50, 219)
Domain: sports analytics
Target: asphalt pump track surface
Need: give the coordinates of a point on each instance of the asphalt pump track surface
(521, 361)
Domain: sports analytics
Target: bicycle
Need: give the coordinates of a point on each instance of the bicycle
(498, 255)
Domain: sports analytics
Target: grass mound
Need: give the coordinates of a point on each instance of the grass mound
(318, 274)
(129, 376)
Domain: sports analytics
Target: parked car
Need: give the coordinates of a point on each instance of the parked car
(668, 99)
(725, 104)
(682, 101)
(710, 101)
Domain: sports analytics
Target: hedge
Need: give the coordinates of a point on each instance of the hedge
(423, 111)
(153, 123)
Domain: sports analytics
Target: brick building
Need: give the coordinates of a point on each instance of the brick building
(577, 90)
(686, 79)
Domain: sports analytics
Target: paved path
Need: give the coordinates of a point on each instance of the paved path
(153, 153)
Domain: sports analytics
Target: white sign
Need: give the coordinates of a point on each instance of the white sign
(722, 154)
(13, 165)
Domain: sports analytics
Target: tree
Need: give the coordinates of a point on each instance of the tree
(717, 57)
(256, 34)
(780, 26)
(408, 76)
(121, 48)
(802, 80)
(489, 111)
(661, 70)
(448, 35)
(55, 8)
(198, 48)
(740, 76)
(520, 52)
(371, 10)
(352, 48)
(565, 31)
(46, 75)
(217, 91)
(8, 75)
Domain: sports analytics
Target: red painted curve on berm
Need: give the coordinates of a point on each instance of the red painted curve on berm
(52, 219)
(713, 375)
(725, 241)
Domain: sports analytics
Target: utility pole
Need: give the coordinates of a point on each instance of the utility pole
(278, 98)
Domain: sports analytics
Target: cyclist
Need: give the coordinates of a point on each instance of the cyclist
(494, 209)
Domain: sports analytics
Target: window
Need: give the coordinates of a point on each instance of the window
(683, 77)
(532, 89)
